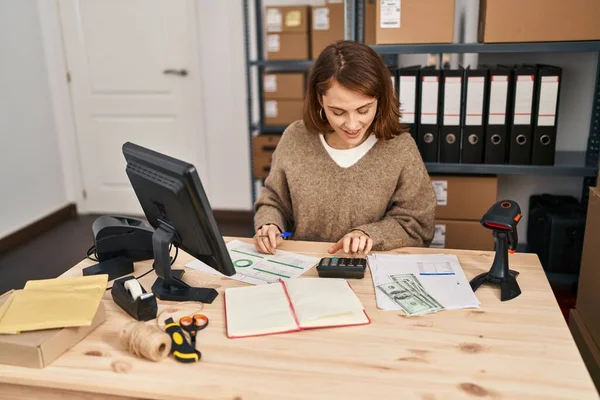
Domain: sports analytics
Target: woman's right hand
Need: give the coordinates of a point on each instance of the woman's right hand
(267, 238)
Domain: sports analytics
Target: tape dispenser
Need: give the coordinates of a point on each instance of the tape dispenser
(133, 298)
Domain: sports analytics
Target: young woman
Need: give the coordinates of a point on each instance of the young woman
(348, 172)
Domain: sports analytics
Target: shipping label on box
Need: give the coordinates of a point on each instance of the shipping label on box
(273, 43)
(439, 237)
(271, 109)
(390, 14)
(441, 192)
(293, 19)
(321, 19)
(270, 83)
(274, 20)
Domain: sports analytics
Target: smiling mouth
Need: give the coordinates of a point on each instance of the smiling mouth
(352, 134)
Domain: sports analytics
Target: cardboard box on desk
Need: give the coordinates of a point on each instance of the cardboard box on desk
(588, 292)
(412, 21)
(464, 197)
(538, 20)
(463, 235)
(38, 349)
(588, 348)
(327, 26)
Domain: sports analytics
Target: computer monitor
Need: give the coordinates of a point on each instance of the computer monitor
(173, 199)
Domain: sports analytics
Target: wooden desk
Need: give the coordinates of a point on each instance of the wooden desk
(513, 350)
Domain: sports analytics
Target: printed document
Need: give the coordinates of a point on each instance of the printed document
(257, 268)
(420, 284)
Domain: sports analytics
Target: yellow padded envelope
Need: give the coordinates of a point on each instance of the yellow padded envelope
(53, 303)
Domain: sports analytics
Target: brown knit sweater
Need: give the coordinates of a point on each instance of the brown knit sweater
(387, 194)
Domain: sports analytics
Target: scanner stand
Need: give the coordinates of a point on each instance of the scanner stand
(499, 274)
(168, 285)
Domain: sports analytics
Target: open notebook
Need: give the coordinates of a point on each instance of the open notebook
(292, 305)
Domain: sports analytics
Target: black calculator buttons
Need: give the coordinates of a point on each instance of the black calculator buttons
(342, 267)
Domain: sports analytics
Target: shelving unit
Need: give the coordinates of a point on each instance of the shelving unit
(583, 164)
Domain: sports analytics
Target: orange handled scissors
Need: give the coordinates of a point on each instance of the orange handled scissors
(193, 324)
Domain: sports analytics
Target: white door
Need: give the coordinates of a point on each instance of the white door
(134, 77)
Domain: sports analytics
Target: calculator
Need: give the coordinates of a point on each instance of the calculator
(342, 267)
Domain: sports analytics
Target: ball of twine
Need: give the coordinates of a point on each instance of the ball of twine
(145, 340)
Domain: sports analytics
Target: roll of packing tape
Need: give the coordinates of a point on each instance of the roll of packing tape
(134, 288)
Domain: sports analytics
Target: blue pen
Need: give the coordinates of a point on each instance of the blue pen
(283, 235)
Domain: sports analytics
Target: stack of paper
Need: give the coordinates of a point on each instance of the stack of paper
(53, 303)
(257, 268)
(420, 284)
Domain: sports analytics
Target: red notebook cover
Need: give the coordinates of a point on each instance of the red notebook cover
(293, 310)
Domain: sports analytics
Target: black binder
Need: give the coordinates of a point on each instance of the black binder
(408, 93)
(428, 129)
(544, 131)
(474, 110)
(497, 122)
(451, 95)
(521, 128)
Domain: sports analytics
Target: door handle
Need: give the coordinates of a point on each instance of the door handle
(180, 72)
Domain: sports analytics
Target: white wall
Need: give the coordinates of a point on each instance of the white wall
(31, 178)
(223, 74)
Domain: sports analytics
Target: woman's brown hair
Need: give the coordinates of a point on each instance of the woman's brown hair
(356, 67)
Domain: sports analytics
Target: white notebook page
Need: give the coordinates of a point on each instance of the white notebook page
(325, 302)
(256, 310)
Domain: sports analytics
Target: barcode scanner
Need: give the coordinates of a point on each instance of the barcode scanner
(502, 218)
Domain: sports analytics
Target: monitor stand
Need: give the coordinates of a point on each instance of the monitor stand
(169, 285)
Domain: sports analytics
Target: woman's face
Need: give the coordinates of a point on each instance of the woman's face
(349, 113)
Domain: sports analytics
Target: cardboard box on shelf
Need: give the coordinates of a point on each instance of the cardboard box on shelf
(284, 86)
(538, 20)
(288, 19)
(263, 147)
(464, 197)
(287, 46)
(283, 112)
(38, 349)
(588, 348)
(412, 21)
(588, 292)
(327, 26)
(465, 235)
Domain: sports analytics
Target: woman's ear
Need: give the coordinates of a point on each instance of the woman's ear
(320, 99)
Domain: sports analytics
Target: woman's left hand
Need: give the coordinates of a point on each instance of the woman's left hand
(355, 242)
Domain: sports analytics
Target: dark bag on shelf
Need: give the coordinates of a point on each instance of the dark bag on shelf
(555, 232)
